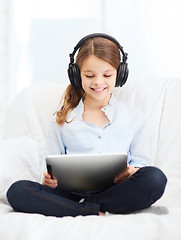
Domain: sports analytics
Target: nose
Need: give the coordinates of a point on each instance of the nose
(98, 80)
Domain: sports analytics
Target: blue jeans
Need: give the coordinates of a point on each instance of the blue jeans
(141, 190)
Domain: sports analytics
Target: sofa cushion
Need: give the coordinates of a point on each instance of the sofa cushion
(19, 158)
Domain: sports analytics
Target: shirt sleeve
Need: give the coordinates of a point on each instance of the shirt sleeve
(54, 144)
(139, 154)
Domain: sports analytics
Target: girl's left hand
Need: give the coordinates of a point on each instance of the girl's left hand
(126, 174)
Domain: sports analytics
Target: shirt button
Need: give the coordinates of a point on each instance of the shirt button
(99, 137)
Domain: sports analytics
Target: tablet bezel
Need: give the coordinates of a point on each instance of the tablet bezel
(86, 171)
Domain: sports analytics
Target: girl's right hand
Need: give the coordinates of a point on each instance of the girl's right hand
(47, 181)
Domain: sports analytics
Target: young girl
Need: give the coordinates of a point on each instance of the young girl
(92, 120)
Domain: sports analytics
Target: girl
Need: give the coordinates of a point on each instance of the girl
(92, 120)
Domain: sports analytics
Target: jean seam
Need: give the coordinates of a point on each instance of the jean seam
(60, 203)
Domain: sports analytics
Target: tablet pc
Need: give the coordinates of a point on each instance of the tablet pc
(86, 171)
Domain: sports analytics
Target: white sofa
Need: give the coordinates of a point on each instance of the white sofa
(22, 157)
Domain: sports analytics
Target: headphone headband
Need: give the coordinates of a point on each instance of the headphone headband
(95, 35)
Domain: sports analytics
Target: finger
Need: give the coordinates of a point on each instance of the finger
(132, 170)
(123, 174)
(46, 175)
(122, 177)
(50, 181)
(118, 180)
(52, 184)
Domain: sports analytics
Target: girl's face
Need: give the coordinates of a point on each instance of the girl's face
(98, 79)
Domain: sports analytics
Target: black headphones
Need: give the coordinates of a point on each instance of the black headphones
(74, 71)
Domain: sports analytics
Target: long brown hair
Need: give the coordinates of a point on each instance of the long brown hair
(99, 47)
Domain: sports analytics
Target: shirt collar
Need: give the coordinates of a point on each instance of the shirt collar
(108, 110)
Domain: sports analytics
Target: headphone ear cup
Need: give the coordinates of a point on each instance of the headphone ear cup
(122, 74)
(126, 72)
(74, 75)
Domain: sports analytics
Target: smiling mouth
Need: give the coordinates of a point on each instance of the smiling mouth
(98, 89)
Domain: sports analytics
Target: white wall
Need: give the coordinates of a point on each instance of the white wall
(46, 31)
(3, 59)
(150, 32)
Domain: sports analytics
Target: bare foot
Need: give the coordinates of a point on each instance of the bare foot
(101, 214)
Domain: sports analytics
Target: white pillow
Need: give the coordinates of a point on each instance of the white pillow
(19, 159)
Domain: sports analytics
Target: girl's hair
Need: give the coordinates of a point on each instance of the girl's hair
(101, 48)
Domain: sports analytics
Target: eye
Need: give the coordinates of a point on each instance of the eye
(89, 76)
(107, 76)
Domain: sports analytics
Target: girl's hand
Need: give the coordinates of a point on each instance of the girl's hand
(126, 174)
(47, 181)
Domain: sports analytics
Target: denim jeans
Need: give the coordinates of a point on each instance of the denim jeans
(141, 190)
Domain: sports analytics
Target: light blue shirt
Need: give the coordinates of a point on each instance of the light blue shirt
(126, 132)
